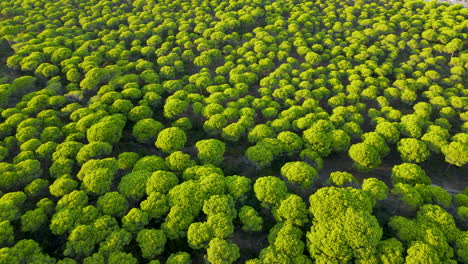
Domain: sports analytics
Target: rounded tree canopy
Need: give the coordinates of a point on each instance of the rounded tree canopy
(413, 150)
(365, 156)
(210, 151)
(270, 190)
(299, 172)
(409, 173)
(171, 139)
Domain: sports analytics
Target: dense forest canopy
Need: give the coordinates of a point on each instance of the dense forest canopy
(240, 131)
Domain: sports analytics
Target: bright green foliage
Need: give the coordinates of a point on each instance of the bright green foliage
(45, 150)
(156, 205)
(161, 181)
(113, 203)
(462, 212)
(116, 241)
(319, 141)
(435, 140)
(151, 242)
(434, 194)
(179, 258)
(27, 251)
(63, 221)
(217, 204)
(389, 131)
(195, 172)
(433, 230)
(270, 255)
(95, 258)
(329, 202)
(61, 167)
(422, 253)
(108, 129)
(37, 188)
(259, 155)
(461, 199)
(222, 252)
(146, 130)
(127, 160)
(413, 150)
(408, 194)
(287, 240)
(133, 185)
(250, 219)
(376, 188)
(177, 221)
(456, 153)
(7, 235)
(97, 175)
(120, 146)
(135, 220)
(174, 107)
(260, 132)
(171, 139)
(212, 184)
(187, 194)
(341, 140)
(390, 251)
(312, 157)
(300, 173)
(98, 181)
(199, 235)
(150, 163)
(270, 190)
(365, 156)
(378, 141)
(341, 179)
(72, 200)
(292, 210)
(238, 186)
(33, 220)
(179, 161)
(339, 240)
(140, 112)
(221, 225)
(81, 241)
(66, 150)
(272, 145)
(215, 124)
(122, 258)
(210, 151)
(409, 173)
(290, 142)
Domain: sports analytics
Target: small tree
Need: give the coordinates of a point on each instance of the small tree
(456, 153)
(270, 190)
(292, 210)
(377, 189)
(113, 203)
(259, 155)
(365, 156)
(108, 130)
(161, 181)
(250, 219)
(171, 139)
(222, 252)
(299, 172)
(409, 173)
(151, 242)
(341, 179)
(210, 151)
(146, 130)
(413, 150)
